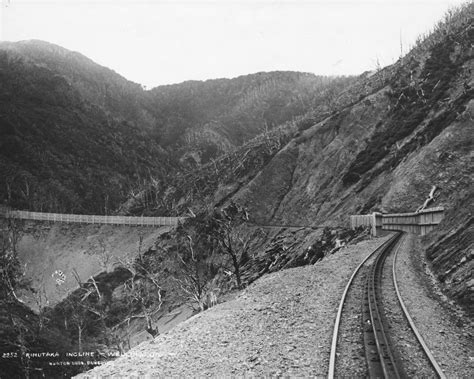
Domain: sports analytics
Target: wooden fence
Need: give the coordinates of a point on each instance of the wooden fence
(364, 220)
(420, 223)
(92, 219)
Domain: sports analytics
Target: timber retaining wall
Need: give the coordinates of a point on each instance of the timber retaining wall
(420, 223)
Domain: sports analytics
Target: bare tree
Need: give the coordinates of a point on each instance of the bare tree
(42, 301)
(143, 292)
(79, 320)
(192, 277)
(20, 343)
(401, 48)
(235, 245)
(74, 309)
(101, 251)
(232, 242)
(11, 272)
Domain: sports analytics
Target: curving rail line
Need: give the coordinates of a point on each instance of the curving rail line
(332, 358)
(380, 359)
(413, 327)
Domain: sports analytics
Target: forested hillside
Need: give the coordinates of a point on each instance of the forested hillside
(270, 164)
(71, 139)
(216, 116)
(78, 137)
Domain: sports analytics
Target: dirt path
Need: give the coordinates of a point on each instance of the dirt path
(280, 325)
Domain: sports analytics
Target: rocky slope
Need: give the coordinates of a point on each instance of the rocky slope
(395, 134)
(335, 168)
(449, 251)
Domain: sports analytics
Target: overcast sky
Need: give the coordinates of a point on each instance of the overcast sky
(162, 42)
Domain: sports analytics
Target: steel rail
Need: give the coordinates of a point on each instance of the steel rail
(413, 327)
(381, 362)
(332, 357)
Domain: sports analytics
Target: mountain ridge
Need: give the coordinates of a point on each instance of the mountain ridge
(389, 139)
(289, 151)
(56, 102)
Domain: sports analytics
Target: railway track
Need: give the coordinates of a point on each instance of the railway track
(380, 355)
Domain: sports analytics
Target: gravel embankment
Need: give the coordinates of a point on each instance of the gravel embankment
(446, 331)
(280, 325)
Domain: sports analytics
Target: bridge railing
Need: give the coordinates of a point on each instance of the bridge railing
(91, 219)
(420, 223)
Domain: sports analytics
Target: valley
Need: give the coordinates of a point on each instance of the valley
(261, 174)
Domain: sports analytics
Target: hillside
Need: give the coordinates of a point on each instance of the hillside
(281, 325)
(386, 152)
(71, 138)
(218, 115)
(271, 164)
(77, 137)
(394, 134)
(277, 326)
